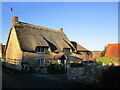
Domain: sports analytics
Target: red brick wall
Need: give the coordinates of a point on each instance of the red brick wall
(113, 50)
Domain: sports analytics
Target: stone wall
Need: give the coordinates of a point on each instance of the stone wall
(12, 66)
(88, 73)
(32, 58)
(44, 70)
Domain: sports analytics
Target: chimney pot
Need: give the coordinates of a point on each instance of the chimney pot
(61, 29)
(15, 19)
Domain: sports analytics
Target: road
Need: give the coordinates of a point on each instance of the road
(16, 79)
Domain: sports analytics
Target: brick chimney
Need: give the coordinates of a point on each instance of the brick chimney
(61, 29)
(15, 19)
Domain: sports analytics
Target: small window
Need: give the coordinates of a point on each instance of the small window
(41, 61)
(67, 50)
(73, 49)
(41, 49)
(51, 45)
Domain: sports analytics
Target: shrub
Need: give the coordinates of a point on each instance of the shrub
(111, 77)
(75, 65)
(55, 68)
(103, 52)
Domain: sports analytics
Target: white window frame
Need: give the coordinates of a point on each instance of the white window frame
(66, 49)
(41, 50)
(41, 60)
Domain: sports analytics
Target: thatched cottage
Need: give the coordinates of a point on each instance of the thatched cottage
(35, 45)
(96, 54)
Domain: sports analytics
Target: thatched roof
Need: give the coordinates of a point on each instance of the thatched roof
(30, 36)
(78, 46)
(81, 48)
(96, 53)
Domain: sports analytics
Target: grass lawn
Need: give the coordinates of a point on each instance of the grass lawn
(107, 59)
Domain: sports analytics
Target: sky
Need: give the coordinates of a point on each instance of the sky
(91, 24)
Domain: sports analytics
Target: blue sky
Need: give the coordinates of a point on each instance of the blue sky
(91, 24)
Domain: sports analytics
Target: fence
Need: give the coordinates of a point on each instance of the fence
(11, 61)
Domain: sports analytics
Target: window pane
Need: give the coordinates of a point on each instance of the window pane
(66, 50)
(38, 49)
(42, 49)
(42, 61)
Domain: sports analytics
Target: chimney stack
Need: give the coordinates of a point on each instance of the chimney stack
(61, 29)
(15, 19)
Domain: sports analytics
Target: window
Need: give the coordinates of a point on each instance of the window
(41, 49)
(73, 49)
(52, 46)
(41, 61)
(66, 50)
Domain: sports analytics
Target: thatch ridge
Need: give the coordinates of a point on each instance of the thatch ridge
(36, 26)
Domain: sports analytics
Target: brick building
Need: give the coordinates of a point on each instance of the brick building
(113, 50)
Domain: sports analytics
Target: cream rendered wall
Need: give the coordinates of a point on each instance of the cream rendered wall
(30, 57)
(13, 50)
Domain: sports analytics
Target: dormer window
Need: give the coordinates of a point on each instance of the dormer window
(41, 49)
(66, 50)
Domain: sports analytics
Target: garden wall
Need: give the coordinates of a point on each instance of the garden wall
(87, 72)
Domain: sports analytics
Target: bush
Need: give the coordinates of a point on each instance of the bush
(103, 52)
(83, 63)
(75, 65)
(55, 68)
(111, 77)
